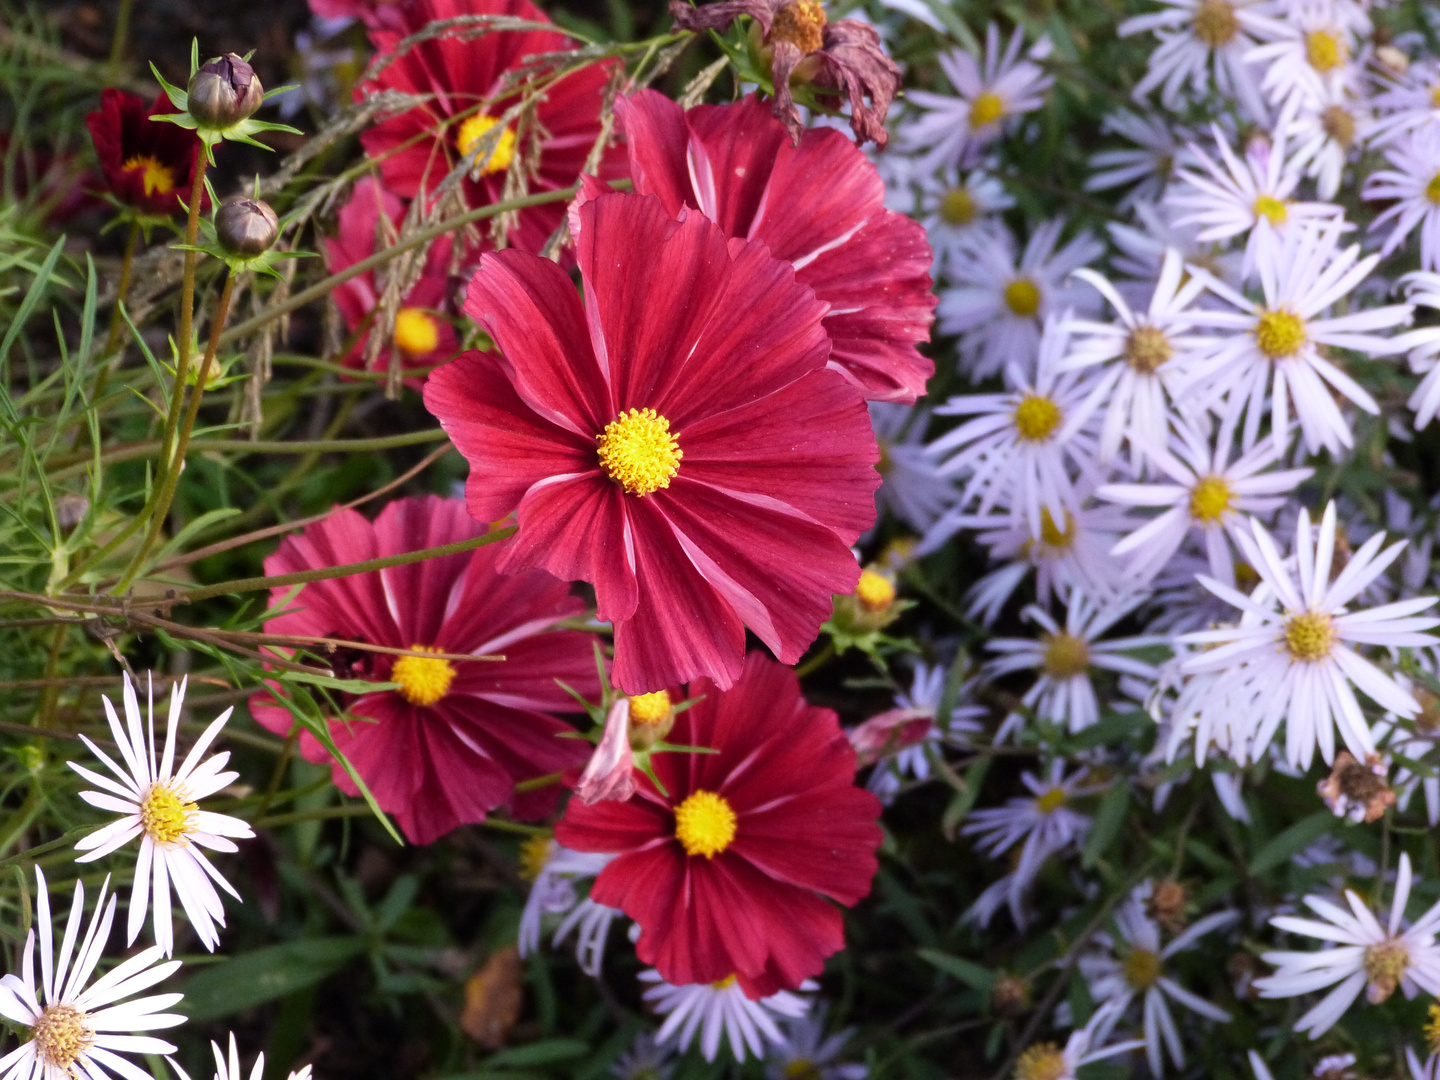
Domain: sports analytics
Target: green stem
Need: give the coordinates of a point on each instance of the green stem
(819, 660)
(41, 849)
(122, 290)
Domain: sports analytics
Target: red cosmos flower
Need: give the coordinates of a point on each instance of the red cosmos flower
(465, 79)
(736, 164)
(728, 874)
(678, 443)
(451, 743)
(148, 165)
(421, 333)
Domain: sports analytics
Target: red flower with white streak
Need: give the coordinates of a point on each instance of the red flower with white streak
(421, 333)
(417, 148)
(451, 743)
(818, 205)
(730, 872)
(678, 442)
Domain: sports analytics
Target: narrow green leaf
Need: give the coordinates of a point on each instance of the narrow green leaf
(264, 975)
(1109, 817)
(1292, 841)
(971, 974)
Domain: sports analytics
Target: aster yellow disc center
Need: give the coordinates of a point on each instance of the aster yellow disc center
(1037, 418)
(1279, 333)
(1065, 655)
(638, 451)
(164, 815)
(1310, 635)
(987, 107)
(61, 1036)
(705, 824)
(1209, 499)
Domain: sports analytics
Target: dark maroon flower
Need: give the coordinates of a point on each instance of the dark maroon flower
(805, 45)
(148, 165)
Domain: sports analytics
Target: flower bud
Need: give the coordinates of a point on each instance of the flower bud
(872, 606)
(651, 718)
(224, 91)
(610, 772)
(246, 226)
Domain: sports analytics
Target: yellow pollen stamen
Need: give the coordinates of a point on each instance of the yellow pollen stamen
(534, 853)
(801, 1069)
(164, 815)
(725, 983)
(704, 824)
(1022, 296)
(1339, 123)
(957, 207)
(1043, 1061)
(1279, 333)
(638, 452)
(1037, 418)
(987, 107)
(423, 680)
(61, 1037)
(1051, 535)
(1273, 210)
(1216, 23)
(1209, 499)
(875, 591)
(650, 708)
(1385, 962)
(1325, 50)
(802, 23)
(1310, 635)
(416, 332)
(1065, 655)
(1147, 349)
(1141, 968)
(1432, 1029)
(1051, 801)
(158, 179)
(473, 129)
(1432, 189)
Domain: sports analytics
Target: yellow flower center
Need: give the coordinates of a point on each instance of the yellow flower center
(704, 824)
(471, 132)
(723, 984)
(1339, 123)
(1432, 189)
(1385, 963)
(1325, 50)
(801, 23)
(650, 708)
(158, 179)
(416, 332)
(638, 452)
(1065, 655)
(1037, 417)
(1216, 23)
(1309, 635)
(802, 1068)
(876, 592)
(1271, 209)
(1432, 1029)
(164, 815)
(1022, 296)
(987, 107)
(1147, 349)
(423, 680)
(1051, 801)
(534, 854)
(1141, 968)
(1043, 1061)
(1210, 499)
(61, 1037)
(1279, 333)
(957, 207)
(1052, 535)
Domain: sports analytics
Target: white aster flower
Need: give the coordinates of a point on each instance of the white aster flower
(911, 485)
(912, 759)
(991, 92)
(158, 803)
(1047, 1061)
(1412, 187)
(1146, 170)
(1422, 346)
(1295, 643)
(1141, 249)
(1043, 824)
(1410, 101)
(716, 1009)
(1276, 343)
(1367, 955)
(1206, 497)
(1000, 299)
(1328, 134)
(952, 206)
(81, 1031)
(1134, 965)
(556, 871)
(1068, 656)
(228, 1068)
(646, 1059)
(807, 1052)
(1415, 744)
(1197, 37)
(1306, 53)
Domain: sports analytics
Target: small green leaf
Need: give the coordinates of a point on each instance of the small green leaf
(1109, 817)
(1292, 841)
(971, 974)
(243, 982)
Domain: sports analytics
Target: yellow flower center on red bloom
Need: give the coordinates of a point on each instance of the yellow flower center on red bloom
(1142, 968)
(1065, 655)
(1385, 962)
(650, 708)
(1051, 801)
(875, 591)
(423, 680)
(473, 130)
(1037, 417)
(801, 23)
(534, 854)
(1310, 635)
(1147, 349)
(1432, 189)
(61, 1037)
(158, 179)
(704, 824)
(1043, 1061)
(164, 815)
(957, 207)
(1209, 499)
(416, 332)
(1271, 209)
(1022, 296)
(1338, 122)
(1279, 333)
(987, 107)
(1325, 50)
(1215, 22)
(638, 452)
